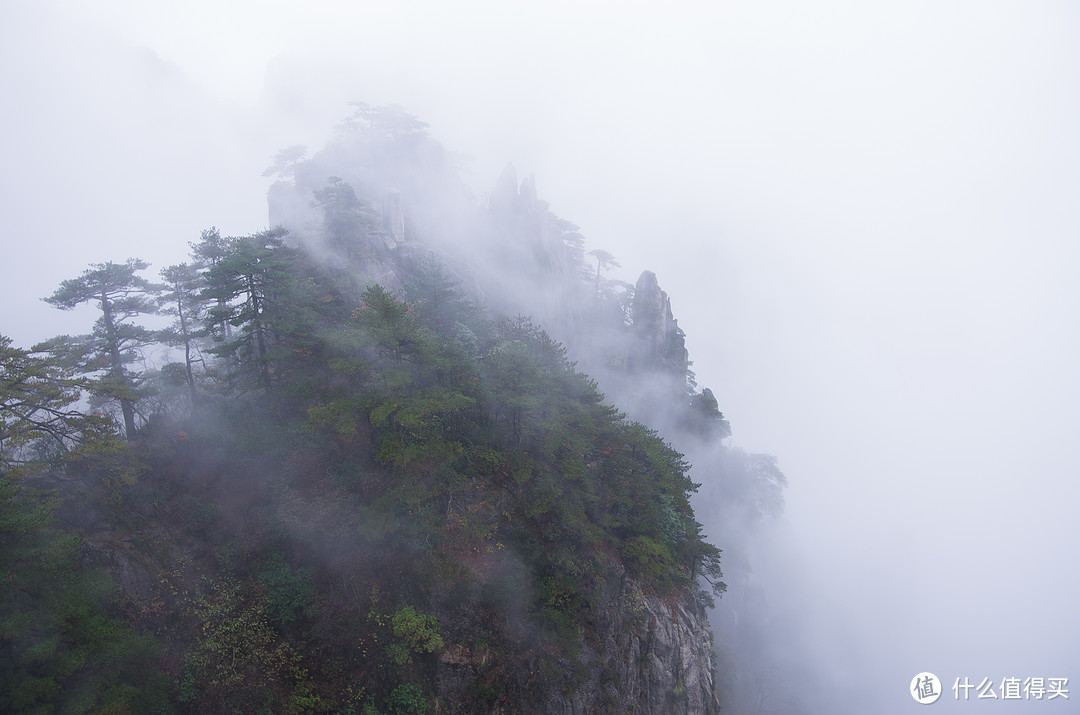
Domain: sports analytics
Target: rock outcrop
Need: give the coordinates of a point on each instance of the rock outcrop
(661, 342)
(656, 658)
(654, 655)
(536, 267)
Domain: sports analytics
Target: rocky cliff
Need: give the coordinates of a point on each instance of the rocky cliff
(652, 654)
(655, 655)
(386, 489)
(656, 658)
(662, 346)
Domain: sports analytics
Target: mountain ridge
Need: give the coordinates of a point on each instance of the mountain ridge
(372, 485)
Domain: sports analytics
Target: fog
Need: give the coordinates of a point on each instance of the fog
(865, 216)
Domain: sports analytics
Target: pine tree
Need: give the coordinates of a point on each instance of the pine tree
(37, 416)
(254, 288)
(121, 296)
(182, 299)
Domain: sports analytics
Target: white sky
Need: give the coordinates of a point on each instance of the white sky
(866, 215)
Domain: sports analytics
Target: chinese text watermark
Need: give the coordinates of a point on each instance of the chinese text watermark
(1030, 688)
(926, 688)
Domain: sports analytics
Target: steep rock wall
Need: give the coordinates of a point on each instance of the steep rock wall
(654, 655)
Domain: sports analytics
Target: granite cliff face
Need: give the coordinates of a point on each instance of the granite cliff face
(662, 344)
(655, 656)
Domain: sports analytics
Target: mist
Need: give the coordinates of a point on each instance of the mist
(865, 219)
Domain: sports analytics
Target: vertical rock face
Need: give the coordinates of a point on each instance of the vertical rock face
(652, 655)
(656, 658)
(662, 344)
(392, 218)
(537, 273)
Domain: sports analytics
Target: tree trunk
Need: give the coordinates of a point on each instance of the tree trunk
(264, 369)
(187, 347)
(116, 367)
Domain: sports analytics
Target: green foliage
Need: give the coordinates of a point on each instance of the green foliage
(62, 649)
(649, 559)
(238, 662)
(407, 699)
(417, 427)
(342, 217)
(434, 294)
(412, 631)
(337, 417)
(263, 305)
(349, 441)
(419, 631)
(40, 427)
(104, 455)
(392, 327)
(289, 591)
(37, 419)
(705, 417)
(182, 299)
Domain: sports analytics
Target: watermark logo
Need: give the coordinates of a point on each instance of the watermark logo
(925, 688)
